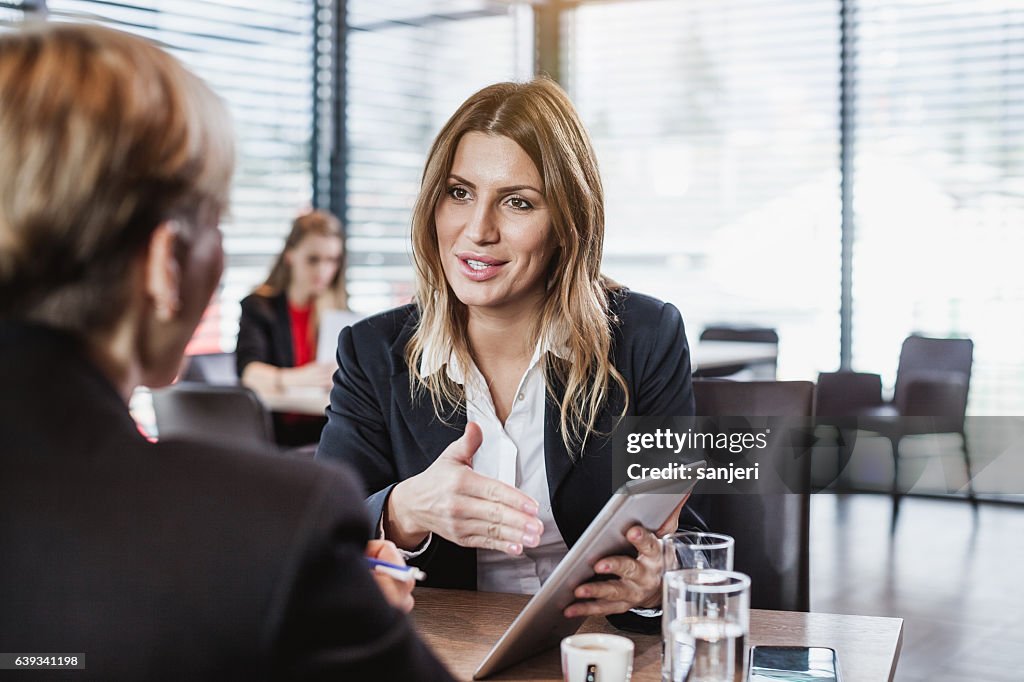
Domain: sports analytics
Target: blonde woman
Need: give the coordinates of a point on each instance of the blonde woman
(169, 560)
(279, 325)
(480, 416)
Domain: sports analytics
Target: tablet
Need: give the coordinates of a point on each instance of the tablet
(541, 625)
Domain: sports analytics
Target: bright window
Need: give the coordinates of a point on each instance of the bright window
(716, 125)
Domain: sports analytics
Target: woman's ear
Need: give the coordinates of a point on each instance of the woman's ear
(163, 272)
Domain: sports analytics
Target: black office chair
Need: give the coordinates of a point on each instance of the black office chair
(216, 369)
(772, 531)
(225, 414)
(932, 380)
(761, 370)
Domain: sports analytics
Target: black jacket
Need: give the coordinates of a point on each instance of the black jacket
(264, 332)
(375, 426)
(175, 561)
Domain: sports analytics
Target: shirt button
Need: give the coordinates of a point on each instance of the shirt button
(522, 396)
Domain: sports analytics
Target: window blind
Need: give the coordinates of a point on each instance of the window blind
(939, 186)
(716, 124)
(409, 66)
(259, 58)
(10, 12)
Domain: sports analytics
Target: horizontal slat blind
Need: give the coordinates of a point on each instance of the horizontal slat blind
(259, 58)
(939, 186)
(716, 127)
(410, 64)
(10, 12)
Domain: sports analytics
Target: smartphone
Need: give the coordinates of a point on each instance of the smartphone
(793, 664)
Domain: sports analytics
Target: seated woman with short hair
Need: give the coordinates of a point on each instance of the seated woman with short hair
(168, 560)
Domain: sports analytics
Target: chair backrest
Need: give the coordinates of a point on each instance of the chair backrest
(846, 394)
(772, 531)
(217, 369)
(924, 358)
(224, 414)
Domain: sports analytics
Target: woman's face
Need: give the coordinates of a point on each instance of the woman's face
(494, 229)
(314, 262)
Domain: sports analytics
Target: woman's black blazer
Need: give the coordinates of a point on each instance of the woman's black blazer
(264, 332)
(375, 426)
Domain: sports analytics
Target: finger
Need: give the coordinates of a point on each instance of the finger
(398, 593)
(595, 608)
(487, 488)
(485, 542)
(387, 551)
(607, 590)
(475, 528)
(645, 541)
(463, 450)
(508, 523)
(625, 567)
(672, 522)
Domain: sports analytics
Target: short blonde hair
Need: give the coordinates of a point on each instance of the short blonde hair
(103, 136)
(540, 118)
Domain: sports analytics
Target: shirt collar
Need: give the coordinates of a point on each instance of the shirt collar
(435, 357)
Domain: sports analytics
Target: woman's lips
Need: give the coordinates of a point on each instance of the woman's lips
(480, 268)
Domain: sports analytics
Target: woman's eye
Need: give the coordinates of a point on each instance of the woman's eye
(458, 193)
(519, 203)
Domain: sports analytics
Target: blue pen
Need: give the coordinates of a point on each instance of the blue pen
(405, 573)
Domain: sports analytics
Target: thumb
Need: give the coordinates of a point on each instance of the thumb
(464, 448)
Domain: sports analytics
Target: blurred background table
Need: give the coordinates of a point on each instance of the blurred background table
(706, 355)
(311, 401)
(461, 626)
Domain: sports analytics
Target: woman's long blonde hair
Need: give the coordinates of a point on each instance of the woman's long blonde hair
(314, 223)
(539, 117)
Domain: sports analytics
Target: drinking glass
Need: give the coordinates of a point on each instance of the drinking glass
(707, 636)
(693, 549)
(688, 550)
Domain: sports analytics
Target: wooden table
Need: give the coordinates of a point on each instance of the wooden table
(461, 626)
(309, 401)
(715, 354)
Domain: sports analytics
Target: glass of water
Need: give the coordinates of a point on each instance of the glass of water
(707, 634)
(689, 550)
(697, 550)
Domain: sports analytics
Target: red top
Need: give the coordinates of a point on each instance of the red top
(303, 344)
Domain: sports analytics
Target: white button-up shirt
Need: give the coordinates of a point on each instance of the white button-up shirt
(512, 453)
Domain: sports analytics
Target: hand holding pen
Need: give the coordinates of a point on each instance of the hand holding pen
(403, 573)
(394, 578)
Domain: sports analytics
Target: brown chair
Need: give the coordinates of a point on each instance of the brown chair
(762, 370)
(223, 414)
(932, 383)
(772, 531)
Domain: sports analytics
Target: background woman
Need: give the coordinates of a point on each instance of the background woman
(277, 332)
(518, 344)
(162, 561)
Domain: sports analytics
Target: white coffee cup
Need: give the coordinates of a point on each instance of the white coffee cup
(597, 657)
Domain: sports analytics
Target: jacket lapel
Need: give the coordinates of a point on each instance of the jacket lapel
(557, 462)
(430, 434)
(282, 337)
